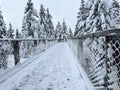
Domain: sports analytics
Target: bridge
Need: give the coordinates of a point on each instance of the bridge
(88, 62)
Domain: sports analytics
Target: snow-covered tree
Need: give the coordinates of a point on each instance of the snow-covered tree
(58, 31)
(3, 44)
(17, 34)
(2, 26)
(10, 35)
(82, 16)
(30, 23)
(70, 32)
(94, 18)
(50, 30)
(64, 31)
(42, 23)
(115, 12)
(30, 27)
(107, 22)
(99, 17)
(24, 31)
(10, 32)
(61, 31)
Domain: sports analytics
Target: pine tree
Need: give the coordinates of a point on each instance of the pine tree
(50, 31)
(30, 20)
(107, 22)
(70, 32)
(3, 44)
(10, 35)
(42, 22)
(30, 27)
(42, 15)
(99, 18)
(115, 12)
(76, 30)
(24, 30)
(64, 31)
(82, 16)
(2, 26)
(17, 34)
(58, 30)
(93, 20)
(10, 32)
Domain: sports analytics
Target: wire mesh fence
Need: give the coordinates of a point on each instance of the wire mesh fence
(99, 54)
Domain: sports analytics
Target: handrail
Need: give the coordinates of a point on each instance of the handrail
(12, 39)
(99, 34)
(16, 45)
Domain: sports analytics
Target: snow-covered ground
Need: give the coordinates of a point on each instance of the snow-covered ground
(54, 69)
(11, 62)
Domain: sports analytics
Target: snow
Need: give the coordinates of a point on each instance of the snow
(108, 3)
(11, 62)
(55, 69)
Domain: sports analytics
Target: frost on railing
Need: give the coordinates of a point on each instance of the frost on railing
(20, 50)
(99, 54)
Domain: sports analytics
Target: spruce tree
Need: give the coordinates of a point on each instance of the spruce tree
(99, 18)
(107, 22)
(58, 31)
(10, 35)
(30, 27)
(64, 31)
(42, 22)
(29, 20)
(24, 30)
(2, 26)
(82, 16)
(70, 32)
(10, 32)
(115, 12)
(3, 44)
(94, 18)
(50, 31)
(17, 34)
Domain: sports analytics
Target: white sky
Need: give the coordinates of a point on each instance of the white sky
(13, 10)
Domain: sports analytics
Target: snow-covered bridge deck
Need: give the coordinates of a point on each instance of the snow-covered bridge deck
(55, 69)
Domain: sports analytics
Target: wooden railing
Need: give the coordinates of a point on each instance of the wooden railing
(16, 45)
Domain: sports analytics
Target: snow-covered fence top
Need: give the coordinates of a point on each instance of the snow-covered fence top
(99, 54)
(99, 34)
(27, 39)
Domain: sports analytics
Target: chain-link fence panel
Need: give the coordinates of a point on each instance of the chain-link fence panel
(113, 62)
(100, 57)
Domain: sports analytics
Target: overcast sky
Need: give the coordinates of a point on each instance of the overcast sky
(13, 10)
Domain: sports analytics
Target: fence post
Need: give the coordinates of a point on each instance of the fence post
(80, 50)
(35, 43)
(106, 79)
(16, 52)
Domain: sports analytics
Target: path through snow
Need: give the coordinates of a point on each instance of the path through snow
(54, 70)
